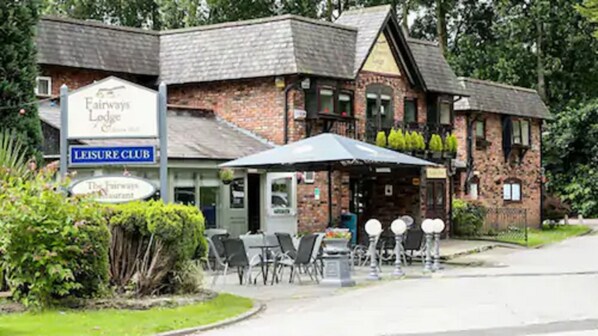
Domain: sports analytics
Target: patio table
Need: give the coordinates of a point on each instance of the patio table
(264, 259)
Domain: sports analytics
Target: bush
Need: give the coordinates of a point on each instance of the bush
(468, 218)
(52, 246)
(381, 139)
(555, 209)
(152, 243)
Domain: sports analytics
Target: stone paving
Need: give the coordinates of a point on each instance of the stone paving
(548, 291)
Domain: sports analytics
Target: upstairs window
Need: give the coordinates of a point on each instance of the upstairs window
(410, 108)
(43, 87)
(345, 104)
(480, 129)
(512, 190)
(326, 101)
(521, 133)
(445, 113)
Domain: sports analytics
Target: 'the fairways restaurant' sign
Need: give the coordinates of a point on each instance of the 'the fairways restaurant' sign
(112, 108)
(114, 189)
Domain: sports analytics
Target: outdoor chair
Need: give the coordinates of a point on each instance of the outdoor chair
(217, 251)
(220, 265)
(317, 254)
(303, 261)
(236, 256)
(408, 221)
(362, 253)
(414, 242)
(286, 245)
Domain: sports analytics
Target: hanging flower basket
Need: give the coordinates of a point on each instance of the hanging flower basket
(226, 175)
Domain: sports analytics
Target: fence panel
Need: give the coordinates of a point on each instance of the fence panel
(507, 224)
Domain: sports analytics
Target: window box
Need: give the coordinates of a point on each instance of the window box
(481, 143)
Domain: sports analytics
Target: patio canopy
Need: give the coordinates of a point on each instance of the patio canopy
(325, 152)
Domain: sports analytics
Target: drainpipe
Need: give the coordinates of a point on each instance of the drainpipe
(287, 89)
(541, 176)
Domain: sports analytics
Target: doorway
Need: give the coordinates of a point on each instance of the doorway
(253, 202)
(436, 199)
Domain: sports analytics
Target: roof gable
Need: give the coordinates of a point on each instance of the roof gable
(381, 59)
(495, 97)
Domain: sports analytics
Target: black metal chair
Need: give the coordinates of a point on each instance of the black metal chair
(236, 256)
(286, 244)
(414, 242)
(218, 249)
(304, 259)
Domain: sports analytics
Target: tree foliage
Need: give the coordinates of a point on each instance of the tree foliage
(18, 69)
(589, 9)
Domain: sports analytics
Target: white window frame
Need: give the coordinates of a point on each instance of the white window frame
(309, 177)
(37, 80)
(508, 191)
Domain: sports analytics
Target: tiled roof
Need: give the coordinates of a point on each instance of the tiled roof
(256, 48)
(435, 70)
(189, 136)
(369, 23)
(500, 98)
(85, 44)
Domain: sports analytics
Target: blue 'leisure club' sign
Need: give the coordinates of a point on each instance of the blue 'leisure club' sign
(112, 155)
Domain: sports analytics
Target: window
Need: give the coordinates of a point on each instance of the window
(184, 195)
(43, 86)
(326, 101)
(309, 177)
(345, 104)
(379, 109)
(410, 108)
(445, 113)
(281, 193)
(480, 129)
(521, 133)
(386, 115)
(512, 190)
(237, 193)
(473, 191)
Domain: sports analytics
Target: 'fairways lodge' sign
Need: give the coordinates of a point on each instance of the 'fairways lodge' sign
(111, 155)
(114, 189)
(112, 108)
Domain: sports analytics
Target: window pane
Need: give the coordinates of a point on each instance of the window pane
(525, 132)
(386, 115)
(410, 113)
(439, 194)
(326, 101)
(445, 113)
(479, 129)
(430, 195)
(43, 86)
(371, 106)
(184, 195)
(506, 192)
(516, 192)
(281, 192)
(237, 193)
(345, 104)
(208, 198)
(516, 132)
(473, 191)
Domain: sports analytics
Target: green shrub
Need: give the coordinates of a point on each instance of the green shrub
(453, 143)
(555, 209)
(381, 139)
(53, 246)
(435, 144)
(468, 218)
(421, 143)
(226, 174)
(396, 140)
(152, 243)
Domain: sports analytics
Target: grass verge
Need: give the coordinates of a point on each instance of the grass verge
(123, 322)
(538, 237)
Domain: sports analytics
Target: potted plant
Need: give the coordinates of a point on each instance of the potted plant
(435, 146)
(226, 175)
(381, 139)
(392, 139)
(409, 144)
(453, 145)
(420, 144)
(336, 240)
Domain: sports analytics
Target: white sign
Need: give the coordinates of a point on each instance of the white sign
(112, 108)
(114, 189)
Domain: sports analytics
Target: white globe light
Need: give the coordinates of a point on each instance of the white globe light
(398, 226)
(438, 225)
(373, 227)
(428, 226)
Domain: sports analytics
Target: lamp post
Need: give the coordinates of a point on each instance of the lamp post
(437, 228)
(373, 228)
(398, 227)
(428, 228)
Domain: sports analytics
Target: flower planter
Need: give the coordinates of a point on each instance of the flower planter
(336, 245)
(436, 155)
(227, 182)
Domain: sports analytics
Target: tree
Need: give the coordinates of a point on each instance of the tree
(18, 70)
(181, 13)
(306, 8)
(589, 9)
(236, 10)
(570, 148)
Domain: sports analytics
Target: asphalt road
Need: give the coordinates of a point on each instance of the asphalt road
(550, 291)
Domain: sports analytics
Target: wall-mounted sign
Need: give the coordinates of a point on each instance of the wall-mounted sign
(415, 181)
(112, 155)
(299, 114)
(436, 173)
(114, 189)
(317, 194)
(112, 108)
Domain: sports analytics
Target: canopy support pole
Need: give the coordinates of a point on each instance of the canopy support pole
(329, 196)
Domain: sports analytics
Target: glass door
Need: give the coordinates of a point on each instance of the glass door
(208, 198)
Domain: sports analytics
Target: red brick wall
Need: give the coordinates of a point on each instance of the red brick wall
(75, 78)
(493, 170)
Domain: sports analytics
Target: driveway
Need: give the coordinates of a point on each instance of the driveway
(548, 291)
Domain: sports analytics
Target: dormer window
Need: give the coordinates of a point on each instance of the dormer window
(521, 133)
(326, 101)
(43, 86)
(445, 113)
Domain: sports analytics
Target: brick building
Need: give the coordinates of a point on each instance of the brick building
(278, 80)
(499, 128)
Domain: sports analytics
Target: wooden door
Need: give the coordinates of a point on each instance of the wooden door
(436, 199)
